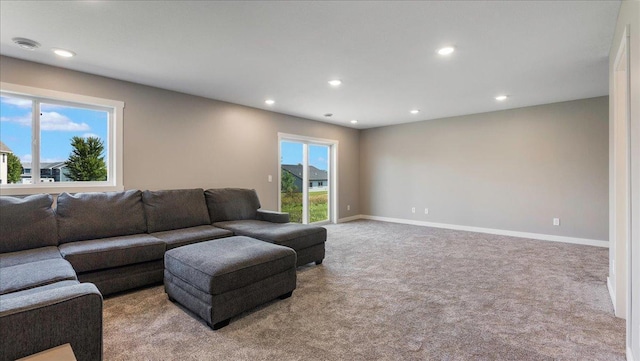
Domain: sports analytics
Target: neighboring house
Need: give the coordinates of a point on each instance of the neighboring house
(318, 178)
(49, 172)
(4, 154)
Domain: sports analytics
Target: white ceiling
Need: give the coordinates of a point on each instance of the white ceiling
(537, 52)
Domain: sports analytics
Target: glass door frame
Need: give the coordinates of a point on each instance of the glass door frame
(333, 173)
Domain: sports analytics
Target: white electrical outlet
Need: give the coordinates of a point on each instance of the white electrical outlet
(348, 207)
(270, 178)
(413, 209)
(426, 211)
(556, 221)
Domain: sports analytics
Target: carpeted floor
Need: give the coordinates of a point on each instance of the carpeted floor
(397, 292)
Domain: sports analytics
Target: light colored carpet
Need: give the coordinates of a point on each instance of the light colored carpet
(396, 292)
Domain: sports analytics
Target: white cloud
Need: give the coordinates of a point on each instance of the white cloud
(20, 103)
(26, 158)
(24, 120)
(57, 121)
(50, 121)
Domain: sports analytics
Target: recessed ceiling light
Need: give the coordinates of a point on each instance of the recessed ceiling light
(335, 82)
(415, 111)
(64, 53)
(354, 121)
(269, 101)
(501, 97)
(446, 50)
(26, 44)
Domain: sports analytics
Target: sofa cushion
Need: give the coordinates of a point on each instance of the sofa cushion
(174, 209)
(221, 265)
(112, 252)
(33, 291)
(29, 255)
(27, 223)
(182, 237)
(85, 216)
(272, 216)
(230, 204)
(29, 275)
(294, 235)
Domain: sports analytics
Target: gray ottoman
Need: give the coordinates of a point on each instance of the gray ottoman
(222, 278)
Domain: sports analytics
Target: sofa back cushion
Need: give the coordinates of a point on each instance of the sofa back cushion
(85, 216)
(232, 204)
(175, 209)
(27, 223)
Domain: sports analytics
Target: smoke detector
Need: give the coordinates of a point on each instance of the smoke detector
(26, 44)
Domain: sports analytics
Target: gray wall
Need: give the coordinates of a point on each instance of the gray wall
(175, 140)
(509, 170)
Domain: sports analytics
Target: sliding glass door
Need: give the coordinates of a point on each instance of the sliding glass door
(318, 174)
(306, 179)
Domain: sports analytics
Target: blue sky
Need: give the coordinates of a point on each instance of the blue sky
(292, 154)
(58, 124)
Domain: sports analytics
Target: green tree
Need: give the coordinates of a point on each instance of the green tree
(14, 168)
(291, 199)
(288, 183)
(86, 162)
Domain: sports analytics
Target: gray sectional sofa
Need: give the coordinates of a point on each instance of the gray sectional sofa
(56, 264)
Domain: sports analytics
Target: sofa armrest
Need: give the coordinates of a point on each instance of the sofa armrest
(273, 217)
(53, 317)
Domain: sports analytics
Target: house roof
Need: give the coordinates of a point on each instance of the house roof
(4, 148)
(315, 174)
(45, 165)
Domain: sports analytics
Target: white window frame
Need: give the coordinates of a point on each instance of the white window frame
(114, 108)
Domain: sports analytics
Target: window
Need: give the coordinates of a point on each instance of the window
(64, 142)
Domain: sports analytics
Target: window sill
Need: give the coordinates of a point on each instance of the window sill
(21, 190)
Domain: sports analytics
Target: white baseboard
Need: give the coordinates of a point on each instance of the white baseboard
(349, 219)
(612, 294)
(629, 354)
(538, 236)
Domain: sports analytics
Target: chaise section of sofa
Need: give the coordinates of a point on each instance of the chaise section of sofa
(238, 210)
(42, 304)
(103, 235)
(180, 217)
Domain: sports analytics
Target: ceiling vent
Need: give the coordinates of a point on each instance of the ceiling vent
(26, 44)
(328, 115)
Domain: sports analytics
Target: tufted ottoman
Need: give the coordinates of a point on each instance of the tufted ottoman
(222, 278)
